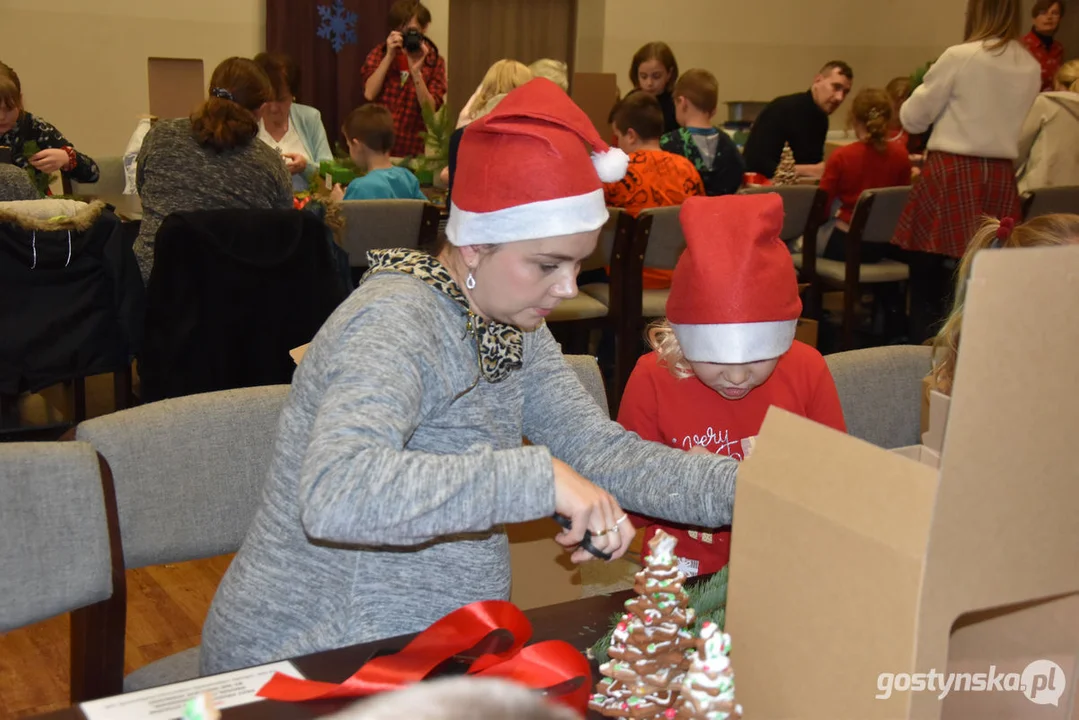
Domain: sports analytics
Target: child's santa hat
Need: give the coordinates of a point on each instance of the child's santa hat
(533, 167)
(734, 293)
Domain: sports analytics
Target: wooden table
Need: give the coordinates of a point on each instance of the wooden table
(580, 623)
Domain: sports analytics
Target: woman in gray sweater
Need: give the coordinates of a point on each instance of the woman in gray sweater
(212, 161)
(399, 457)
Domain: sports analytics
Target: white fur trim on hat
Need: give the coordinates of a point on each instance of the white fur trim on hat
(611, 165)
(545, 218)
(735, 343)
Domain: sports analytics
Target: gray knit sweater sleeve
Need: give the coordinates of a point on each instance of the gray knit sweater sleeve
(643, 476)
(359, 484)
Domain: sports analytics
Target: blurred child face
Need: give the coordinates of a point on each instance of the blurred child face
(734, 382)
(520, 283)
(652, 77)
(1048, 22)
(358, 152)
(9, 115)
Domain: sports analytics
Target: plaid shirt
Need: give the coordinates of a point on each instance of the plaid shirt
(1049, 58)
(398, 94)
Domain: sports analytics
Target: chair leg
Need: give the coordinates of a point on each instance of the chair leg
(122, 388)
(79, 397)
(850, 304)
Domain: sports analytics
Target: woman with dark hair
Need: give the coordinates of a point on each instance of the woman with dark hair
(1039, 41)
(211, 161)
(295, 131)
(18, 128)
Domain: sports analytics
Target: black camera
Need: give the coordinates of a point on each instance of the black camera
(412, 40)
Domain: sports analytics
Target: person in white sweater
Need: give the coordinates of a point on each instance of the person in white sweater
(1049, 143)
(976, 97)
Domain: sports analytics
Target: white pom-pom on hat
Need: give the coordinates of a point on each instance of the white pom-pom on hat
(611, 165)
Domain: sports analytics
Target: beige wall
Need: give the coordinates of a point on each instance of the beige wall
(91, 82)
(759, 50)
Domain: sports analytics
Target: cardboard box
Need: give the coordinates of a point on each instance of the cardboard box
(176, 86)
(854, 569)
(596, 94)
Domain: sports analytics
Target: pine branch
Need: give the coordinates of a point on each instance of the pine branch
(599, 650)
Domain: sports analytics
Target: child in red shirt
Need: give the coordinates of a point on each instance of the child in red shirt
(872, 162)
(726, 352)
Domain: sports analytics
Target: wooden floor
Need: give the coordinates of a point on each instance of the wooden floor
(166, 606)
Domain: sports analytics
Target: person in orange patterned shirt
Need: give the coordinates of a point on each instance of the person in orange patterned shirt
(655, 178)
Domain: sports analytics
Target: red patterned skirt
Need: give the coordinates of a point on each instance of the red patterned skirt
(949, 201)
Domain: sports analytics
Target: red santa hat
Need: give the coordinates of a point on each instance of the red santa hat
(734, 293)
(533, 167)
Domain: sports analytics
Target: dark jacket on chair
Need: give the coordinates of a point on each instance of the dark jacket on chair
(71, 299)
(231, 292)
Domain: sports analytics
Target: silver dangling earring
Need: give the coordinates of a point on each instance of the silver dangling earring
(470, 281)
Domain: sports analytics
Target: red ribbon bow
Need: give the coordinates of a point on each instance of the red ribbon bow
(1006, 226)
(543, 666)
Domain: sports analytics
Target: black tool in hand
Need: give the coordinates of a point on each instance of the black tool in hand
(586, 541)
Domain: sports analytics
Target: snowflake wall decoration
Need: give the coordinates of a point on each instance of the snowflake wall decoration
(338, 25)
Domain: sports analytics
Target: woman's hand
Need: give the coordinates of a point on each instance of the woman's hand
(589, 508)
(394, 43)
(700, 450)
(295, 163)
(50, 160)
(338, 193)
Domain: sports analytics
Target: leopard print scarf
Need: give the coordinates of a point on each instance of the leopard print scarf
(500, 347)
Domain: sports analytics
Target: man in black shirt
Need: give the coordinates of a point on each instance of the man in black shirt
(801, 120)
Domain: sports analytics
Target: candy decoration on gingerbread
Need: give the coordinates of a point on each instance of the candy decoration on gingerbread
(707, 690)
(651, 646)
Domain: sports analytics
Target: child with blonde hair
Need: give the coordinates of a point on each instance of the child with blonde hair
(726, 351)
(500, 78)
(1043, 231)
(554, 70)
(872, 162)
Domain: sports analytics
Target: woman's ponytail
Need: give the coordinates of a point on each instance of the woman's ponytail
(228, 119)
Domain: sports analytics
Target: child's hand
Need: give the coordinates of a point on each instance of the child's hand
(338, 193)
(49, 160)
(415, 62)
(394, 43)
(700, 450)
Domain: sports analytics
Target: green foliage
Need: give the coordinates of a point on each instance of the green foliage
(40, 180)
(918, 76)
(708, 600)
(440, 125)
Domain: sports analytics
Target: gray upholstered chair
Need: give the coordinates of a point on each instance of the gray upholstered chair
(110, 181)
(657, 242)
(574, 320)
(591, 378)
(803, 206)
(1046, 201)
(188, 473)
(881, 392)
(57, 554)
(875, 218)
(379, 224)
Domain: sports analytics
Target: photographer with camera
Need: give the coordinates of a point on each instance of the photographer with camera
(404, 73)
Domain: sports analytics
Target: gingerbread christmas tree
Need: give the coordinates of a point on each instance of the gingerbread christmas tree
(651, 646)
(707, 690)
(785, 173)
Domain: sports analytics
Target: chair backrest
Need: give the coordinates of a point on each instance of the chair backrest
(591, 378)
(665, 241)
(798, 206)
(880, 390)
(607, 240)
(110, 182)
(54, 533)
(380, 224)
(1047, 201)
(188, 471)
(877, 213)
